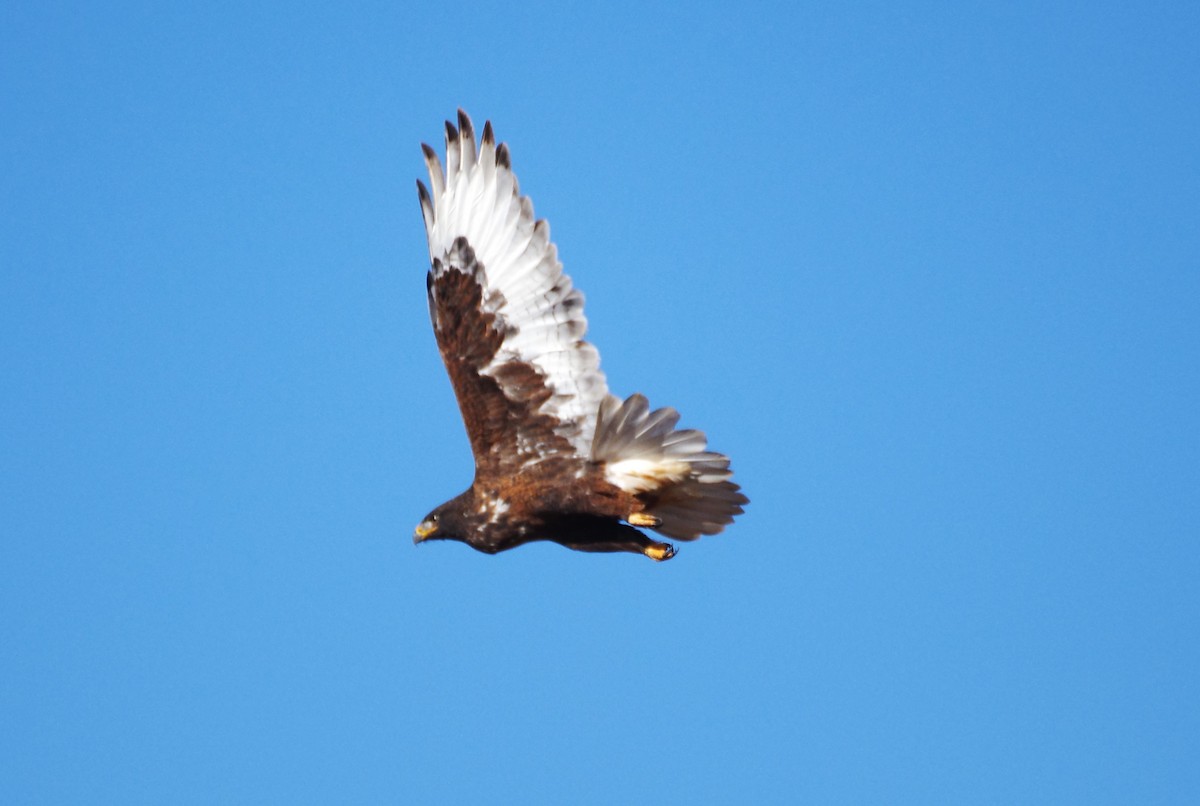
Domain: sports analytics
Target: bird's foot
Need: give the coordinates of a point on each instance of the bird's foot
(659, 551)
(644, 519)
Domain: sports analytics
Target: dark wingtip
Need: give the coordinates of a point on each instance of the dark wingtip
(428, 151)
(489, 138)
(464, 125)
(502, 157)
(423, 193)
(451, 132)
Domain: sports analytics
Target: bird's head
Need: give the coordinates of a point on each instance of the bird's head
(444, 523)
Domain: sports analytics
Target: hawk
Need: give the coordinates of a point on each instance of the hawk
(557, 457)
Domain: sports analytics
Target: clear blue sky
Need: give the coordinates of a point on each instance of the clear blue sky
(930, 275)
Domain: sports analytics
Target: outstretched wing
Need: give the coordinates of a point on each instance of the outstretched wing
(508, 322)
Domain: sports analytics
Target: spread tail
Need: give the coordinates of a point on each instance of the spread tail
(672, 472)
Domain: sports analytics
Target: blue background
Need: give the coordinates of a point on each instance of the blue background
(929, 274)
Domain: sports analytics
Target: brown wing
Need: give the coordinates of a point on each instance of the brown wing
(501, 401)
(509, 323)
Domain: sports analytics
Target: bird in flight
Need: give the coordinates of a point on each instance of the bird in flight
(557, 457)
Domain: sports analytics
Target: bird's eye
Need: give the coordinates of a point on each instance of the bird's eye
(433, 518)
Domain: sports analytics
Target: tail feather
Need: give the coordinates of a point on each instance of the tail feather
(671, 471)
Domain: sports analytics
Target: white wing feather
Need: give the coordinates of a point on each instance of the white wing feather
(478, 198)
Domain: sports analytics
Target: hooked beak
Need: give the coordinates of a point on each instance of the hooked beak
(423, 531)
